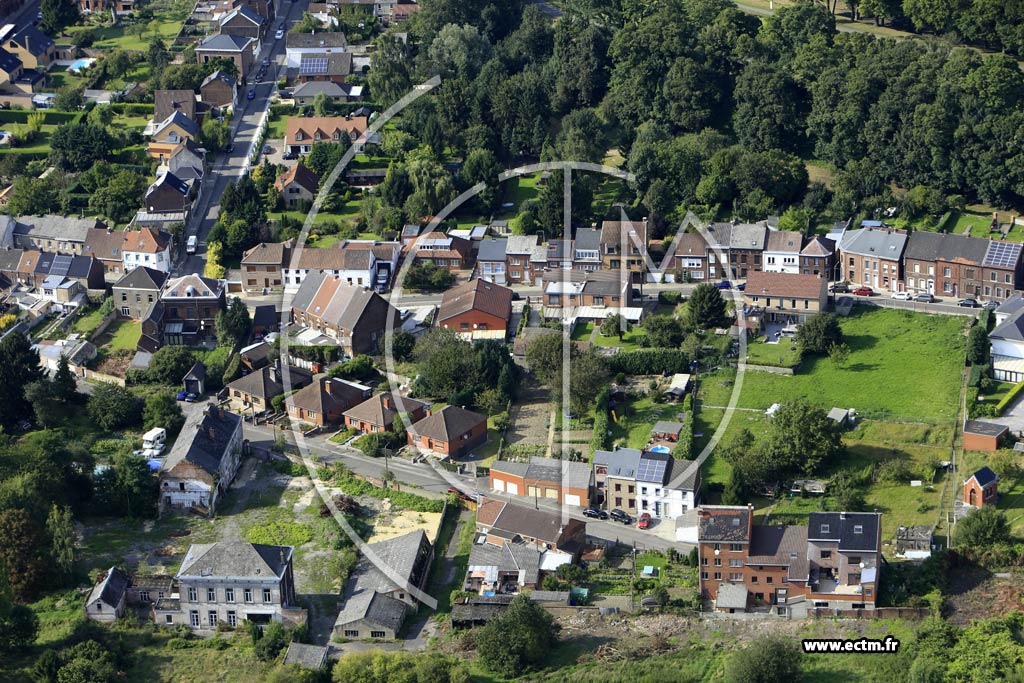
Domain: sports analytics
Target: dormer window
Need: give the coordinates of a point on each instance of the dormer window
(337, 135)
(858, 529)
(824, 528)
(298, 135)
(736, 521)
(316, 136)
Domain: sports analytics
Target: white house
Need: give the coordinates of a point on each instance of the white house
(363, 263)
(203, 461)
(1007, 344)
(644, 481)
(782, 252)
(147, 247)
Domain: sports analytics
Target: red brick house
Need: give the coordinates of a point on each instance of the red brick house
(981, 488)
(567, 482)
(451, 431)
(445, 251)
(377, 414)
(500, 521)
(324, 402)
(477, 310)
(983, 436)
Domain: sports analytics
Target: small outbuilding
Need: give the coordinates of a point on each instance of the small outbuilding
(107, 600)
(195, 380)
(981, 488)
(983, 436)
(914, 542)
(307, 656)
(732, 597)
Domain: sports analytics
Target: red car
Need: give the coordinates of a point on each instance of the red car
(645, 521)
(863, 291)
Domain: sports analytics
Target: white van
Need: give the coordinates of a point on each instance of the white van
(154, 438)
(191, 244)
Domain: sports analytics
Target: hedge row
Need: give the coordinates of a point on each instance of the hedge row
(684, 448)
(409, 501)
(1009, 398)
(322, 354)
(132, 108)
(50, 117)
(669, 298)
(599, 441)
(650, 362)
(978, 372)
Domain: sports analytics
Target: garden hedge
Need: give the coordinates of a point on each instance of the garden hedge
(650, 362)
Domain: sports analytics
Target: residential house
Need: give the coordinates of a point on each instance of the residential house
(107, 600)
(410, 233)
(301, 133)
(637, 481)
(169, 134)
(832, 563)
(444, 251)
(981, 488)
(558, 254)
(119, 7)
(168, 102)
(504, 568)
(264, 8)
(477, 309)
(501, 521)
(377, 413)
(586, 250)
(35, 268)
(297, 185)
(244, 22)
(187, 161)
(58, 234)
(1006, 342)
(451, 431)
(689, 258)
(106, 245)
(353, 317)
(323, 402)
(358, 262)
(137, 291)
(983, 436)
(252, 394)
(239, 49)
(597, 289)
(624, 246)
(873, 257)
(491, 260)
(952, 265)
(232, 582)
(818, 257)
(190, 306)
(719, 239)
(747, 242)
(219, 89)
(567, 482)
(255, 356)
(782, 252)
(263, 265)
(76, 350)
(519, 253)
(202, 462)
(369, 614)
(329, 66)
(306, 93)
(35, 49)
(914, 542)
(785, 297)
(299, 45)
(147, 247)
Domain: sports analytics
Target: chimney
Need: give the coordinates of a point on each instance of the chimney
(327, 386)
(275, 371)
(386, 400)
(212, 433)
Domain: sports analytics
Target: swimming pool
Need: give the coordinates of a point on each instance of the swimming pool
(80, 64)
(660, 449)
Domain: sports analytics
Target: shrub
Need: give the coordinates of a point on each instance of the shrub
(650, 362)
(409, 501)
(1009, 398)
(279, 533)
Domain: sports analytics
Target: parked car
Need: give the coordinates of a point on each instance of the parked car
(645, 521)
(742, 286)
(252, 94)
(990, 304)
(968, 303)
(594, 513)
(279, 35)
(620, 516)
(925, 298)
(901, 296)
(724, 284)
(863, 291)
(839, 288)
(265, 62)
(289, 156)
(182, 394)
(267, 149)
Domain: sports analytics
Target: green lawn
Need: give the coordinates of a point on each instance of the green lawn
(85, 324)
(168, 16)
(630, 340)
(784, 354)
(632, 427)
(582, 331)
(121, 335)
(978, 222)
(919, 357)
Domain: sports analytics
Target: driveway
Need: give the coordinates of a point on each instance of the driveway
(1012, 417)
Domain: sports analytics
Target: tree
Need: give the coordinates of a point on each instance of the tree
(157, 55)
(49, 410)
(77, 146)
(322, 104)
(61, 530)
(587, 376)
(19, 367)
(324, 156)
(518, 640)
(33, 196)
(170, 364)
(458, 51)
(544, 358)
(307, 24)
(162, 410)
(736, 491)
(491, 400)
(977, 345)
(64, 384)
(424, 276)
(444, 361)
(119, 196)
(113, 407)
(839, 354)
(403, 343)
(69, 98)
(388, 78)
(615, 325)
(21, 553)
(58, 15)
(233, 323)
(270, 644)
(215, 135)
(129, 487)
(819, 333)
(800, 438)
(19, 627)
(706, 309)
(663, 331)
(982, 528)
(768, 659)
(767, 109)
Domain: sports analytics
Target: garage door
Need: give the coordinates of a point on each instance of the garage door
(532, 491)
(499, 484)
(570, 499)
(551, 493)
(513, 489)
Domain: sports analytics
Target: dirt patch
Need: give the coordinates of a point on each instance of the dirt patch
(529, 419)
(388, 523)
(975, 593)
(116, 363)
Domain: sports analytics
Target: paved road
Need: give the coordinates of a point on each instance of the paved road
(942, 306)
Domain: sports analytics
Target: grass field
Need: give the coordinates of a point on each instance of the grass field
(785, 354)
(121, 335)
(918, 357)
(85, 324)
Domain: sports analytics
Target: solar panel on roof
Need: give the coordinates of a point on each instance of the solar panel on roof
(1003, 254)
(313, 65)
(651, 470)
(61, 264)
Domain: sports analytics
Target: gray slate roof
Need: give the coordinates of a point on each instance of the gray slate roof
(222, 42)
(507, 557)
(405, 554)
(142, 278)
(841, 527)
(374, 608)
(723, 524)
(622, 462)
(874, 242)
(492, 249)
(204, 439)
(70, 228)
(569, 474)
(235, 559)
(1011, 329)
(305, 655)
(112, 588)
(588, 239)
(931, 246)
(749, 236)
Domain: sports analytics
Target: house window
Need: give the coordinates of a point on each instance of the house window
(247, 593)
(858, 528)
(735, 576)
(718, 562)
(211, 595)
(855, 559)
(168, 618)
(826, 554)
(212, 618)
(351, 633)
(266, 595)
(193, 618)
(144, 596)
(753, 579)
(767, 579)
(735, 547)
(718, 576)
(192, 594)
(232, 618)
(704, 576)
(229, 594)
(378, 634)
(736, 563)
(824, 528)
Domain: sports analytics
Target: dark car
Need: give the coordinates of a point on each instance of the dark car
(724, 284)
(925, 298)
(182, 395)
(742, 286)
(839, 288)
(620, 516)
(863, 291)
(594, 513)
(968, 303)
(252, 94)
(289, 156)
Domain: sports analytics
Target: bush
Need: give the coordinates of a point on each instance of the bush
(279, 533)
(1009, 398)
(409, 501)
(599, 441)
(650, 362)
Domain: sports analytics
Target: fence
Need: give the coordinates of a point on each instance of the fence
(102, 377)
(102, 327)
(879, 613)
